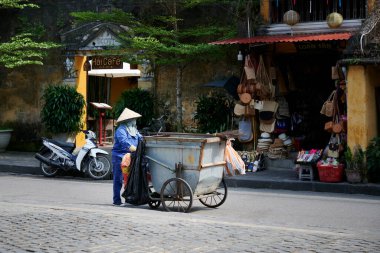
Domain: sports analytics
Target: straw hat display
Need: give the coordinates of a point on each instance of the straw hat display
(288, 143)
(264, 142)
(278, 143)
(277, 153)
(277, 150)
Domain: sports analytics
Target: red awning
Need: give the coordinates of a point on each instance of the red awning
(285, 38)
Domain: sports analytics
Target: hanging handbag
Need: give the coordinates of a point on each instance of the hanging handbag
(239, 109)
(337, 127)
(245, 130)
(333, 150)
(266, 89)
(242, 90)
(329, 126)
(338, 124)
(245, 98)
(333, 147)
(250, 72)
(328, 105)
(249, 68)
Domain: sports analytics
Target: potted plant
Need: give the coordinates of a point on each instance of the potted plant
(62, 110)
(355, 165)
(5, 136)
(373, 160)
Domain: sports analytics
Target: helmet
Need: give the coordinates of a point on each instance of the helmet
(90, 135)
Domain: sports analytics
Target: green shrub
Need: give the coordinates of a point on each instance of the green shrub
(138, 100)
(373, 160)
(62, 109)
(348, 158)
(358, 158)
(214, 112)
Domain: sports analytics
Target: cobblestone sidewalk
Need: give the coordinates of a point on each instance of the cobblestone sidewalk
(37, 228)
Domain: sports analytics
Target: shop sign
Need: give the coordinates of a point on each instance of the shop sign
(315, 46)
(107, 62)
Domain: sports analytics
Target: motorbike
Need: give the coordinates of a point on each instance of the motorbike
(57, 155)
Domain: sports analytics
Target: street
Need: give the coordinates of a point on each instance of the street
(76, 215)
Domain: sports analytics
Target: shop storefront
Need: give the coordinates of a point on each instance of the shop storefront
(280, 105)
(99, 78)
(297, 72)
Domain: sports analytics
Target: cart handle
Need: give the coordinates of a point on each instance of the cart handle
(206, 165)
(160, 163)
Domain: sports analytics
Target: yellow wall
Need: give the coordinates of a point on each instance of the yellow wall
(361, 105)
(265, 10)
(82, 89)
(118, 85)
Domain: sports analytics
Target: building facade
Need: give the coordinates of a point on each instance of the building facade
(302, 41)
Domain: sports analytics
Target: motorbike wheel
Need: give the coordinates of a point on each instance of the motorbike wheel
(47, 170)
(99, 168)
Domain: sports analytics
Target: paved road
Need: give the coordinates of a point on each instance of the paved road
(74, 215)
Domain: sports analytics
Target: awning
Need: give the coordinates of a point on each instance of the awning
(126, 71)
(285, 38)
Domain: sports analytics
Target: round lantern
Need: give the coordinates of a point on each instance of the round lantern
(334, 20)
(291, 17)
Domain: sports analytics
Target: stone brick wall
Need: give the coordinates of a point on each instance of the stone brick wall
(20, 92)
(194, 77)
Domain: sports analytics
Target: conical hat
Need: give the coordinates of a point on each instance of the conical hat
(127, 114)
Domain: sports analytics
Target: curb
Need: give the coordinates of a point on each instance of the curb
(32, 170)
(345, 188)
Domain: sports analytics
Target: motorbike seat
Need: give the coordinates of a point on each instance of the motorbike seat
(63, 144)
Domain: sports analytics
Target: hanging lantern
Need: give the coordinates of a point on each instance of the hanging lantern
(334, 20)
(291, 17)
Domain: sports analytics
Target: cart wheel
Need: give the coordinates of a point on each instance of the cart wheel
(179, 195)
(217, 197)
(154, 204)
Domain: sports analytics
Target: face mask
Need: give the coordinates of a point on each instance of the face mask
(131, 127)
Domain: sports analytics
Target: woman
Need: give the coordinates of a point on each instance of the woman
(126, 140)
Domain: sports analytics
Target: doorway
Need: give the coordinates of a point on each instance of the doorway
(99, 91)
(308, 80)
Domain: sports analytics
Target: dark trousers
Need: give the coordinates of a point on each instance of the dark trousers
(117, 180)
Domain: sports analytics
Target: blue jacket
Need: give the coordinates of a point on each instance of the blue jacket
(123, 141)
